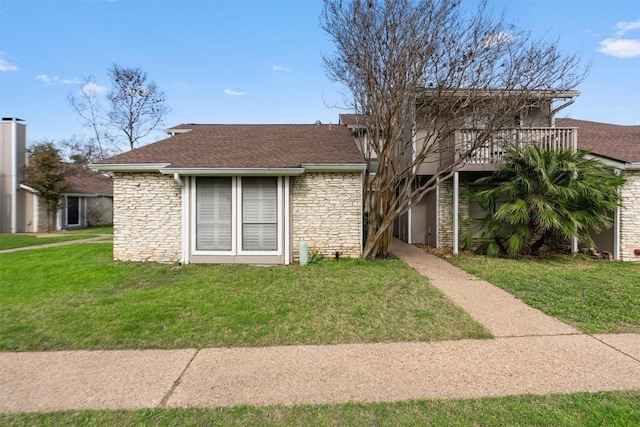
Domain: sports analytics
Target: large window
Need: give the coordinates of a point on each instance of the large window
(237, 214)
(259, 214)
(213, 214)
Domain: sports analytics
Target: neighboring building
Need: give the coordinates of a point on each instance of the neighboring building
(13, 156)
(87, 202)
(238, 194)
(617, 146)
(434, 220)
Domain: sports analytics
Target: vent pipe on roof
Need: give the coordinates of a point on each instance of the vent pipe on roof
(330, 126)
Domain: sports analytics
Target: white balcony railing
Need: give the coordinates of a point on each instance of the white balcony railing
(491, 151)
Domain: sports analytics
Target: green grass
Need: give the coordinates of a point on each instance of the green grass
(596, 296)
(75, 297)
(583, 409)
(103, 229)
(10, 241)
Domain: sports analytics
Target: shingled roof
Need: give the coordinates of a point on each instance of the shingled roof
(82, 180)
(615, 142)
(248, 146)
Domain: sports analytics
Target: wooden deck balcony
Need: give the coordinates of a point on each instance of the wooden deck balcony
(489, 155)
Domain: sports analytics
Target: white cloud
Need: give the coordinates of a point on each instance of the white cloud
(183, 85)
(624, 26)
(498, 38)
(46, 79)
(5, 65)
(233, 92)
(54, 80)
(620, 48)
(92, 88)
(280, 69)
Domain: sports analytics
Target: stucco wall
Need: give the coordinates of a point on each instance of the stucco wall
(327, 213)
(630, 217)
(147, 218)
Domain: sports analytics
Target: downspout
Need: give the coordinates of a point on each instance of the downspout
(287, 221)
(616, 226)
(185, 231)
(456, 183)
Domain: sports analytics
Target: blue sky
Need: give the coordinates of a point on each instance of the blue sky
(260, 61)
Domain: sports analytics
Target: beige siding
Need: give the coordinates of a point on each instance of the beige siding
(630, 217)
(147, 218)
(327, 213)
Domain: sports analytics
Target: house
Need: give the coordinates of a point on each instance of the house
(617, 146)
(434, 220)
(87, 202)
(238, 194)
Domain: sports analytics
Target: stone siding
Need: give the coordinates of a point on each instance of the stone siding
(630, 217)
(147, 218)
(445, 210)
(326, 211)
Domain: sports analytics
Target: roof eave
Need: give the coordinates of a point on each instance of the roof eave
(633, 166)
(232, 171)
(615, 163)
(128, 167)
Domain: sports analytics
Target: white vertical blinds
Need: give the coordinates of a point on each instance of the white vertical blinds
(213, 214)
(260, 214)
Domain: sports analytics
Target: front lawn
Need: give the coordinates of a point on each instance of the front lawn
(596, 296)
(76, 297)
(582, 409)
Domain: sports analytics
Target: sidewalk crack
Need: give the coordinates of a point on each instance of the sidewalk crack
(615, 348)
(176, 383)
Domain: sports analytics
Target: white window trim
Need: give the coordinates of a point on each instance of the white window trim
(236, 224)
(194, 249)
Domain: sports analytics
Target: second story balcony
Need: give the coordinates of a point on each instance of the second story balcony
(489, 155)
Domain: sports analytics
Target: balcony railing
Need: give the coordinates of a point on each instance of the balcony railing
(492, 150)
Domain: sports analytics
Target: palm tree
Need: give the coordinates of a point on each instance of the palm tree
(546, 193)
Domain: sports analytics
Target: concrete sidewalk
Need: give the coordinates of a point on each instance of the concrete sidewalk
(532, 354)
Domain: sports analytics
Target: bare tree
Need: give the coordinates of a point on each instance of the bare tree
(88, 103)
(137, 106)
(418, 70)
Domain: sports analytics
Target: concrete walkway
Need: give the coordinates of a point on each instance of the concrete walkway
(531, 354)
(98, 239)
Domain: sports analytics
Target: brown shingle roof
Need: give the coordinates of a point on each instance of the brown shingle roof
(613, 141)
(249, 146)
(82, 180)
(351, 119)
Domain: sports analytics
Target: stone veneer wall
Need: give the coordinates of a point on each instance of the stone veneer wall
(147, 217)
(630, 217)
(445, 210)
(326, 212)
